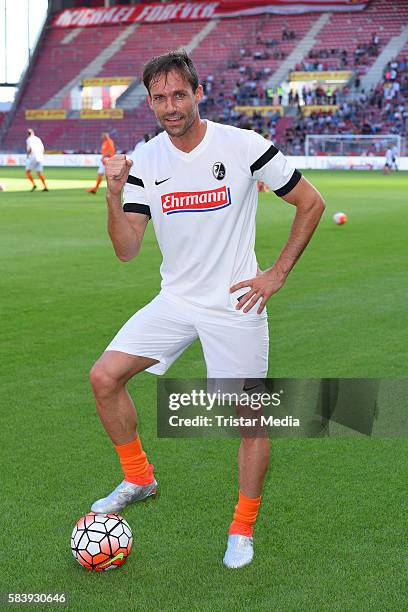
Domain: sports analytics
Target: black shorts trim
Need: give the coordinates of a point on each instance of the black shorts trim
(264, 159)
(293, 181)
(133, 180)
(137, 208)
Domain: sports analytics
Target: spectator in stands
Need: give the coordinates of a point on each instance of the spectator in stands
(232, 64)
(107, 151)
(270, 42)
(279, 55)
(290, 97)
(261, 55)
(288, 34)
(35, 159)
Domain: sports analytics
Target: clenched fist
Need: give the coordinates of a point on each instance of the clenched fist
(117, 171)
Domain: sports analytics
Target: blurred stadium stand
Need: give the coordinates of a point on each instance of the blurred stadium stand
(237, 60)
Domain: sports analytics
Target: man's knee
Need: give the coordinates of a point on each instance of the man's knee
(103, 382)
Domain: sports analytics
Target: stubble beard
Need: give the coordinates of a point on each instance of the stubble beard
(179, 131)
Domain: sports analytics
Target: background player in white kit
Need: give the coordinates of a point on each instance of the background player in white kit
(197, 181)
(391, 160)
(35, 159)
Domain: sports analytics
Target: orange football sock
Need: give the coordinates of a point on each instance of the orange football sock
(98, 182)
(135, 465)
(42, 179)
(30, 178)
(245, 515)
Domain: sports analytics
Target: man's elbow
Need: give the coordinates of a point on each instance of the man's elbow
(314, 206)
(320, 205)
(126, 256)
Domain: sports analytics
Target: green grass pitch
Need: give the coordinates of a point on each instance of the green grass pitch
(332, 529)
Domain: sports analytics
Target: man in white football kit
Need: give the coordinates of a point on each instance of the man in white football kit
(395, 158)
(197, 182)
(388, 161)
(35, 159)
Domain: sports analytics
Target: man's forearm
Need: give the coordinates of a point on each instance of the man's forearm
(122, 235)
(304, 224)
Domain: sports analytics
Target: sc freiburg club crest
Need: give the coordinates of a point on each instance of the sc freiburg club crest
(219, 171)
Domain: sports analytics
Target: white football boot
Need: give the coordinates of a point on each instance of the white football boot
(240, 551)
(126, 493)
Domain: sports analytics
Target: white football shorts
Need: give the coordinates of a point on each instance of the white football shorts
(101, 167)
(33, 164)
(235, 344)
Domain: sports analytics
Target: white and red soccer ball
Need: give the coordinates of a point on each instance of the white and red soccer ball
(101, 541)
(339, 218)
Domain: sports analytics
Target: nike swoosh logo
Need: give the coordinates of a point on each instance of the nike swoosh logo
(250, 388)
(163, 181)
(109, 561)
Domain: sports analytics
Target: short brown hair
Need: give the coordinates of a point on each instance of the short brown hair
(174, 60)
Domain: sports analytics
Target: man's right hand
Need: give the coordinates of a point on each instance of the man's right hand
(116, 171)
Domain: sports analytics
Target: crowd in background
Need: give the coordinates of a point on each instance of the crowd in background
(384, 109)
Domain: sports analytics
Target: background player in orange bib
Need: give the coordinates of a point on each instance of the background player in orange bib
(107, 151)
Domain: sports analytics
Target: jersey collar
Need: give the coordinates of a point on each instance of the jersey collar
(198, 149)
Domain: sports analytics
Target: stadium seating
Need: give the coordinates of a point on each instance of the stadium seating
(58, 63)
(224, 52)
(348, 31)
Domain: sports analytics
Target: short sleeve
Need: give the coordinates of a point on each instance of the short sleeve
(269, 165)
(134, 194)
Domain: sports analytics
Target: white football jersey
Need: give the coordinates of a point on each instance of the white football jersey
(203, 206)
(37, 148)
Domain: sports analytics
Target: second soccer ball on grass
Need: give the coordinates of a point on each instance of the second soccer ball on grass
(339, 218)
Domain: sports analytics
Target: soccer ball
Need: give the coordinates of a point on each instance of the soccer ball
(2, 187)
(339, 218)
(101, 541)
